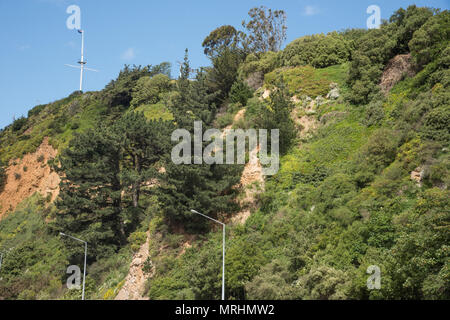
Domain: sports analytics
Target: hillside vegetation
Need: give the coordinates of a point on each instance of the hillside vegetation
(368, 184)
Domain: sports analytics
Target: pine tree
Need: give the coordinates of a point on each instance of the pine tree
(278, 116)
(104, 170)
(143, 143)
(90, 198)
(183, 80)
(207, 188)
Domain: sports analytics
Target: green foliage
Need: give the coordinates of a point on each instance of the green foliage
(155, 112)
(375, 48)
(224, 120)
(272, 114)
(437, 124)
(118, 94)
(225, 70)
(34, 263)
(104, 172)
(324, 283)
(342, 201)
(19, 123)
(259, 63)
(240, 93)
(319, 51)
(374, 113)
(148, 90)
(224, 37)
(208, 188)
(36, 110)
(431, 39)
(420, 268)
(277, 115)
(266, 29)
(300, 81)
(136, 240)
(379, 151)
(274, 282)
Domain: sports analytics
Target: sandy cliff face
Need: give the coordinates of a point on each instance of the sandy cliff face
(29, 175)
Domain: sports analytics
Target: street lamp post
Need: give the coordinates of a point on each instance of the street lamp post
(85, 257)
(223, 249)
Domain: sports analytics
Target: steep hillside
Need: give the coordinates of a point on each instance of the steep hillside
(364, 123)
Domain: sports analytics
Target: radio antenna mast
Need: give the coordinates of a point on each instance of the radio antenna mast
(82, 62)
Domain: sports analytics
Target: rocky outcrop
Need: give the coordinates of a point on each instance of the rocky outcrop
(417, 175)
(334, 91)
(255, 80)
(395, 70)
(252, 181)
(134, 285)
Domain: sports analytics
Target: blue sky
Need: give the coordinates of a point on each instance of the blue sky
(36, 42)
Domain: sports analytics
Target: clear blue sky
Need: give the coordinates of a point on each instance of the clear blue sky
(35, 42)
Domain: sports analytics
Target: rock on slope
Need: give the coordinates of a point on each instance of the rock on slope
(396, 68)
(134, 286)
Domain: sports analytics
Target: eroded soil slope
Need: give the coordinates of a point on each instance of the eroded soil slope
(29, 175)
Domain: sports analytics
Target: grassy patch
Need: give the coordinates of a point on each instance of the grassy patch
(306, 80)
(155, 111)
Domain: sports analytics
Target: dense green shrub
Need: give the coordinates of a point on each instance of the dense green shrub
(240, 93)
(19, 123)
(374, 113)
(273, 282)
(224, 120)
(224, 72)
(379, 152)
(34, 262)
(437, 124)
(275, 115)
(342, 201)
(376, 47)
(431, 39)
(119, 92)
(264, 63)
(148, 90)
(137, 239)
(36, 110)
(319, 51)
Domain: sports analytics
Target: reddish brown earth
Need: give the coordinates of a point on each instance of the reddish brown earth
(29, 175)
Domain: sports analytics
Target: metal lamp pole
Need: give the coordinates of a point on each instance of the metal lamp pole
(223, 249)
(85, 257)
(82, 62)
